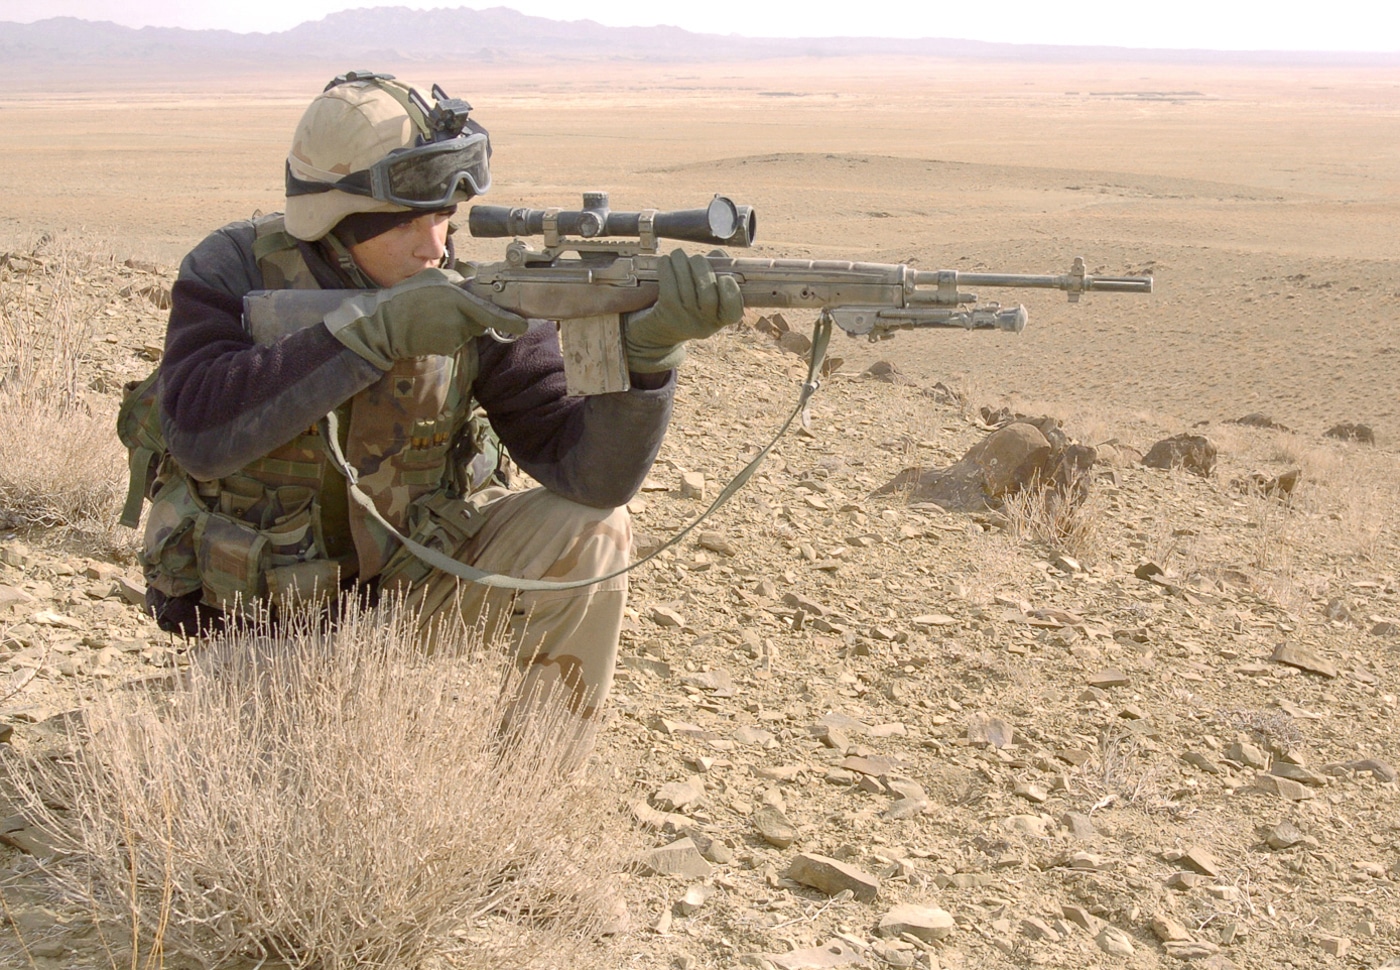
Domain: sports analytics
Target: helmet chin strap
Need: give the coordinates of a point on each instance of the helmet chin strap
(346, 261)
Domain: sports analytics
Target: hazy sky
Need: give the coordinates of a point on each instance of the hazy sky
(1359, 25)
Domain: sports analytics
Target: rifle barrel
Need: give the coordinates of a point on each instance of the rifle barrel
(1069, 282)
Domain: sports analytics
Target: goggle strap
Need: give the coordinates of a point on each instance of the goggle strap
(357, 183)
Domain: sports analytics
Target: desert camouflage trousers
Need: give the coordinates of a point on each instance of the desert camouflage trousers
(564, 641)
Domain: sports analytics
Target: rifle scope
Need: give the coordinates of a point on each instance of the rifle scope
(721, 222)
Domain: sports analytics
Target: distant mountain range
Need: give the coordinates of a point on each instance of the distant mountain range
(501, 34)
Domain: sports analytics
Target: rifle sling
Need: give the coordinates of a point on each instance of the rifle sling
(821, 337)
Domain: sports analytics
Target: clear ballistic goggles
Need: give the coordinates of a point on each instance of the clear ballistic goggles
(423, 177)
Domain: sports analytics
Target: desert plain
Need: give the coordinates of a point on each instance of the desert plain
(826, 648)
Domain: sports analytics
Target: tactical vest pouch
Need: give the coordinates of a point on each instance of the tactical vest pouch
(169, 555)
(233, 561)
(138, 427)
(478, 459)
(298, 584)
(440, 522)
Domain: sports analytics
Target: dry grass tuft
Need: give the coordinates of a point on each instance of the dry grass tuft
(60, 461)
(326, 798)
(1273, 729)
(1067, 518)
(1119, 772)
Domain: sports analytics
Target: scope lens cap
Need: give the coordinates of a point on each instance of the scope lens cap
(723, 216)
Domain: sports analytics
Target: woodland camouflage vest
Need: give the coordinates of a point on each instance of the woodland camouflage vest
(281, 528)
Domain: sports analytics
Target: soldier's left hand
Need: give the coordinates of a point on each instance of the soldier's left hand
(693, 304)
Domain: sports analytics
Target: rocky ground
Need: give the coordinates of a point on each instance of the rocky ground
(863, 731)
(853, 706)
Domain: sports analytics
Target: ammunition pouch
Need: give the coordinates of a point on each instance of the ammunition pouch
(237, 564)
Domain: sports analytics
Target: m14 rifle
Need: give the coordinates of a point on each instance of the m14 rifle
(596, 264)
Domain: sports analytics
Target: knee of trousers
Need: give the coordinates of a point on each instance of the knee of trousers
(603, 536)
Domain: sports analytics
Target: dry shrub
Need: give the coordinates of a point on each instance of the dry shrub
(1321, 462)
(1068, 518)
(330, 798)
(60, 461)
(1275, 730)
(1270, 537)
(1118, 771)
(1362, 515)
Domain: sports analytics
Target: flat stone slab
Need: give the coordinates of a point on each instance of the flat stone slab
(1298, 773)
(1286, 788)
(1109, 677)
(680, 858)
(928, 923)
(774, 827)
(1304, 659)
(831, 877)
(1200, 859)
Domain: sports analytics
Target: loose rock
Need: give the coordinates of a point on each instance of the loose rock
(1191, 452)
(693, 899)
(693, 485)
(1349, 431)
(773, 826)
(982, 729)
(1336, 946)
(1283, 835)
(1037, 929)
(1200, 859)
(1168, 929)
(927, 923)
(1249, 755)
(831, 877)
(680, 858)
(1298, 773)
(1109, 677)
(1283, 787)
(1081, 917)
(666, 617)
(679, 795)
(1112, 940)
(1304, 659)
(1190, 949)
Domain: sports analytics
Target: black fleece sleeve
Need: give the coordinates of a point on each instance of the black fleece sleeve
(593, 450)
(225, 400)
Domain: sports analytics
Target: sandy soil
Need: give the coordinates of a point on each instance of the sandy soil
(1262, 202)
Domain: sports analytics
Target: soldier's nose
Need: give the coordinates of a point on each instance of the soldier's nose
(428, 244)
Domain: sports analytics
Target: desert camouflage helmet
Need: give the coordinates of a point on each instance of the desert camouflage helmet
(369, 143)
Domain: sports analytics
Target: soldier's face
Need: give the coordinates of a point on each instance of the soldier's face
(411, 247)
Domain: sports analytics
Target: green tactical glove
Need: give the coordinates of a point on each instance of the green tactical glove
(429, 313)
(693, 305)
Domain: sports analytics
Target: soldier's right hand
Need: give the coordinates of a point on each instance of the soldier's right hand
(429, 313)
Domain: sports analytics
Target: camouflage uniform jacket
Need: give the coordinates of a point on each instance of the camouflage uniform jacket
(240, 423)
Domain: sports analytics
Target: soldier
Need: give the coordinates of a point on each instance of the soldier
(252, 509)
